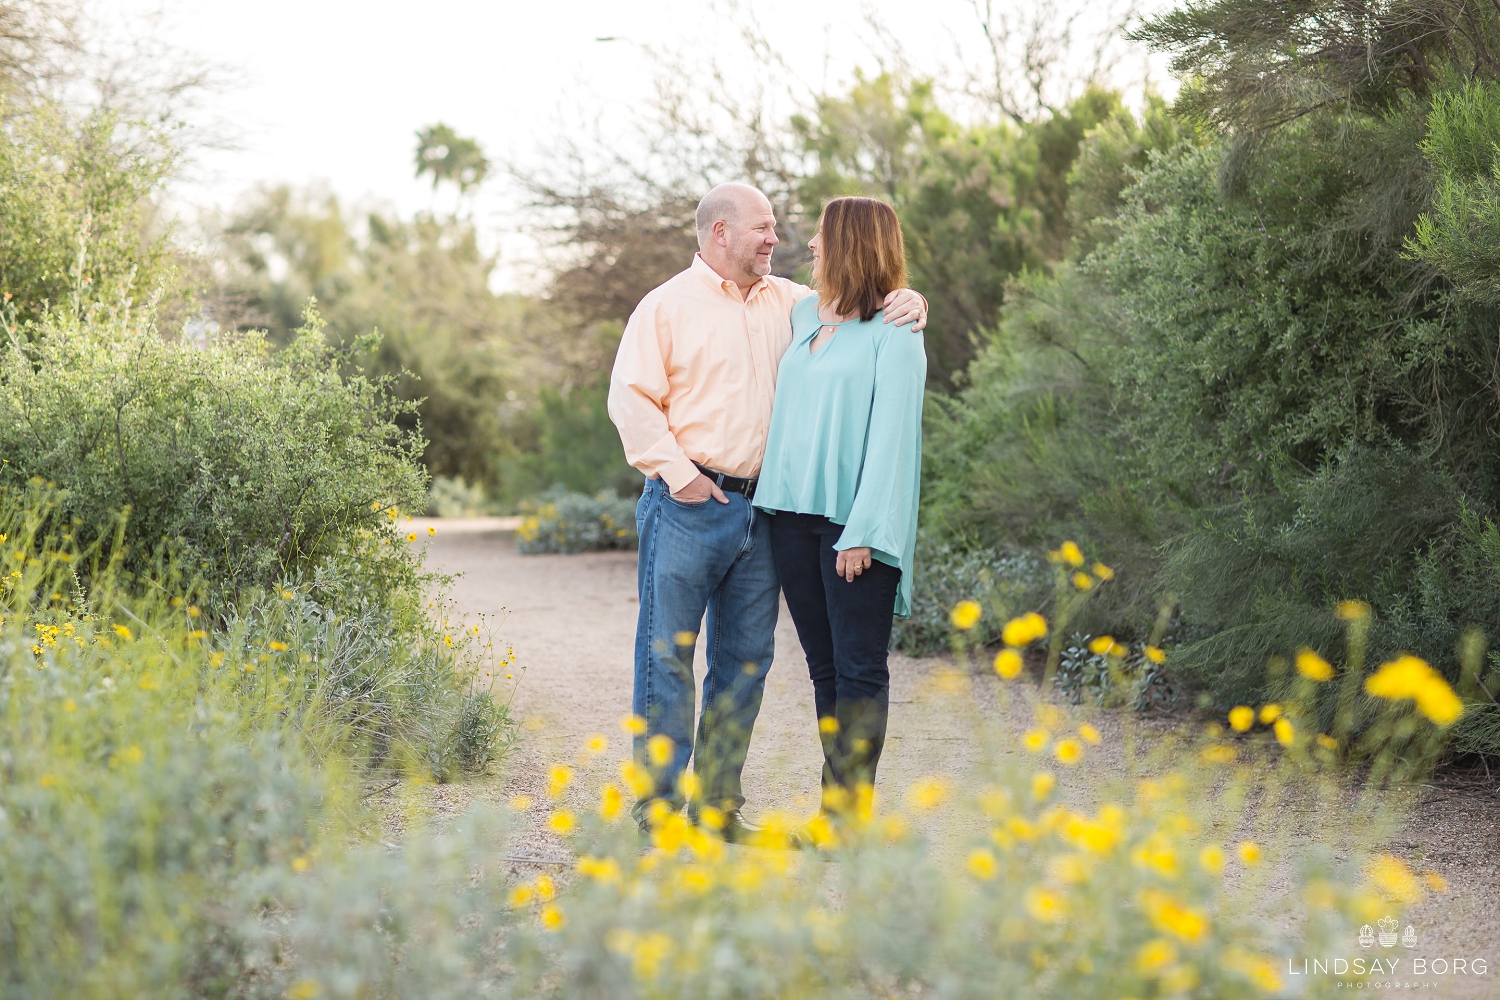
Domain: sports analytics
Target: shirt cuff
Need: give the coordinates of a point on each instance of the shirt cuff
(679, 473)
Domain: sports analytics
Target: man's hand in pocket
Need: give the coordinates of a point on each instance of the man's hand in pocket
(699, 490)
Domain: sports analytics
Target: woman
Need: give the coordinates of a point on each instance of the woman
(841, 474)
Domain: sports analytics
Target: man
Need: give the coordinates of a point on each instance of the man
(691, 394)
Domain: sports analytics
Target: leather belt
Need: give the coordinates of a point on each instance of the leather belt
(730, 484)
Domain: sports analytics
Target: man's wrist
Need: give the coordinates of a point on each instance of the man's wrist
(678, 474)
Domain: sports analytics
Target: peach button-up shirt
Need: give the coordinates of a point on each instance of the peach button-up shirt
(695, 375)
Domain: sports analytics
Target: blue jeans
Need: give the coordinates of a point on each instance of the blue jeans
(696, 558)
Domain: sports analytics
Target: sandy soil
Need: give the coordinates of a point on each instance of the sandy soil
(571, 621)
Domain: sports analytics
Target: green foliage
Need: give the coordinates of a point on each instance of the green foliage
(244, 466)
(1460, 235)
(448, 156)
(74, 217)
(575, 522)
(951, 571)
(977, 203)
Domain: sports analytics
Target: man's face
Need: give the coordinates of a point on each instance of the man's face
(750, 240)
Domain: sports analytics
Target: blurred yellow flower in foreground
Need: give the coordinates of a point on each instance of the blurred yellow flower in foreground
(1103, 572)
(552, 917)
(1156, 956)
(1394, 879)
(1035, 740)
(1351, 610)
(634, 725)
(1411, 677)
(965, 615)
(1070, 553)
(520, 803)
(1211, 859)
(1068, 751)
(1241, 718)
(1312, 666)
(927, 793)
(1008, 664)
(123, 632)
(1024, 630)
(982, 864)
(1326, 742)
(685, 638)
(1089, 733)
(1101, 644)
(558, 779)
(1435, 882)
(659, 750)
(1269, 713)
(1285, 734)
(596, 744)
(1042, 784)
(1174, 917)
(636, 778)
(1154, 654)
(562, 822)
(611, 803)
(520, 896)
(828, 724)
(305, 989)
(1249, 853)
(1046, 906)
(1083, 581)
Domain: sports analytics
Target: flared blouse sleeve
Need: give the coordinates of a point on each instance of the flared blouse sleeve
(884, 515)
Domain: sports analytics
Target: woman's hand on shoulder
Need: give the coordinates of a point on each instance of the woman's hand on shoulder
(906, 305)
(852, 562)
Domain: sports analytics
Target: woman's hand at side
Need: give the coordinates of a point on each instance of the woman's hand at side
(852, 562)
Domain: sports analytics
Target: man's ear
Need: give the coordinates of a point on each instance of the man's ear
(721, 233)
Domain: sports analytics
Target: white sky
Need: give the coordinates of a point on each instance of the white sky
(333, 91)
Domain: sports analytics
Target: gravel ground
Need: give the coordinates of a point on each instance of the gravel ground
(571, 621)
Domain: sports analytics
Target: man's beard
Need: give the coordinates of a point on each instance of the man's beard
(753, 263)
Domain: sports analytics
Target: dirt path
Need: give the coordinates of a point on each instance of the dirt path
(571, 621)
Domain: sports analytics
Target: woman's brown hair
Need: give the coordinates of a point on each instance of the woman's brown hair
(864, 256)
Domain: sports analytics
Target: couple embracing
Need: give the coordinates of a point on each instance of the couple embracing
(779, 428)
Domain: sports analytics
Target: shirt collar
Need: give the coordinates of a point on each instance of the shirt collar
(713, 279)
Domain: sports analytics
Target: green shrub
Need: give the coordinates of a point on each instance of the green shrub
(948, 572)
(243, 466)
(574, 522)
(453, 497)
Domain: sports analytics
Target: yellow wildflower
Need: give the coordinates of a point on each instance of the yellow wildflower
(1211, 858)
(1048, 716)
(1068, 751)
(279, 647)
(684, 638)
(600, 869)
(287, 595)
(1035, 740)
(1249, 852)
(1285, 733)
(1154, 654)
(1241, 718)
(558, 778)
(1394, 879)
(1155, 956)
(1103, 572)
(520, 896)
(301, 863)
(1434, 881)
(1411, 677)
(927, 793)
(634, 725)
(1046, 906)
(304, 989)
(1326, 742)
(1089, 733)
(520, 803)
(1042, 784)
(596, 744)
(123, 632)
(1312, 666)
(965, 615)
(552, 918)
(412, 537)
(1218, 753)
(828, 725)
(1102, 644)
(982, 864)
(562, 822)
(1071, 553)
(431, 531)
(1269, 713)
(636, 778)
(1008, 664)
(1083, 581)
(1024, 630)
(611, 803)
(1351, 610)
(546, 889)
(659, 750)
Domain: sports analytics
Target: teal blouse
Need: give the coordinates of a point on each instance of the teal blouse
(846, 435)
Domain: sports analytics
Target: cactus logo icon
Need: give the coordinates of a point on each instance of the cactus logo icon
(1388, 925)
(1367, 936)
(1409, 936)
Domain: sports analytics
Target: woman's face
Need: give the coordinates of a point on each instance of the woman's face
(816, 246)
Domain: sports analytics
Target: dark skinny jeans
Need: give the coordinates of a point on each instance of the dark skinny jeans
(845, 629)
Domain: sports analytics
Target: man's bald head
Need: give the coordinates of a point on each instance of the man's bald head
(732, 203)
